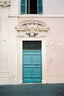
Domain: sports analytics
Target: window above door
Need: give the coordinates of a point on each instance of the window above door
(31, 45)
(31, 7)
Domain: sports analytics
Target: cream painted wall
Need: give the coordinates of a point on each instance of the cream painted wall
(4, 72)
(53, 7)
(12, 50)
(55, 48)
(9, 42)
(13, 10)
(8, 47)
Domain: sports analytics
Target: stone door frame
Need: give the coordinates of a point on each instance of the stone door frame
(44, 58)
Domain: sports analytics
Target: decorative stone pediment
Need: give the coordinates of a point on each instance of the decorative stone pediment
(32, 27)
(5, 3)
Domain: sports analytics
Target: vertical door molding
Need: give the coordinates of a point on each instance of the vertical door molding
(44, 60)
(19, 60)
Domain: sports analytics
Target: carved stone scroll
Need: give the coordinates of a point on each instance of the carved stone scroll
(5, 3)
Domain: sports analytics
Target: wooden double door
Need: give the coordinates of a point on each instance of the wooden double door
(32, 62)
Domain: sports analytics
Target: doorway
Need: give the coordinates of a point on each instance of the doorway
(32, 62)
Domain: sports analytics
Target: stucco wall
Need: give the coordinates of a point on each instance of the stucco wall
(55, 48)
(9, 47)
(53, 7)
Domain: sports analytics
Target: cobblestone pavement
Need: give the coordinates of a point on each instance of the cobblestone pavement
(32, 90)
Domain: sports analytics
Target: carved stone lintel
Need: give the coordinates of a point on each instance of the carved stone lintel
(32, 28)
(5, 3)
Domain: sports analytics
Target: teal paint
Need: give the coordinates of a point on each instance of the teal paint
(23, 6)
(39, 6)
(32, 66)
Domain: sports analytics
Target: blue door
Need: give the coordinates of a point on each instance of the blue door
(32, 62)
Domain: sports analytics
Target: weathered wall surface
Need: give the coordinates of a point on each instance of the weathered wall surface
(8, 46)
(4, 72)
(9, 19)
(55, 48)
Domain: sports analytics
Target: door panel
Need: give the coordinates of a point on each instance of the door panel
(36, 72)
(27, 72)
(26, 59)
(27, 80)
(36, 80)
(36, 59)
